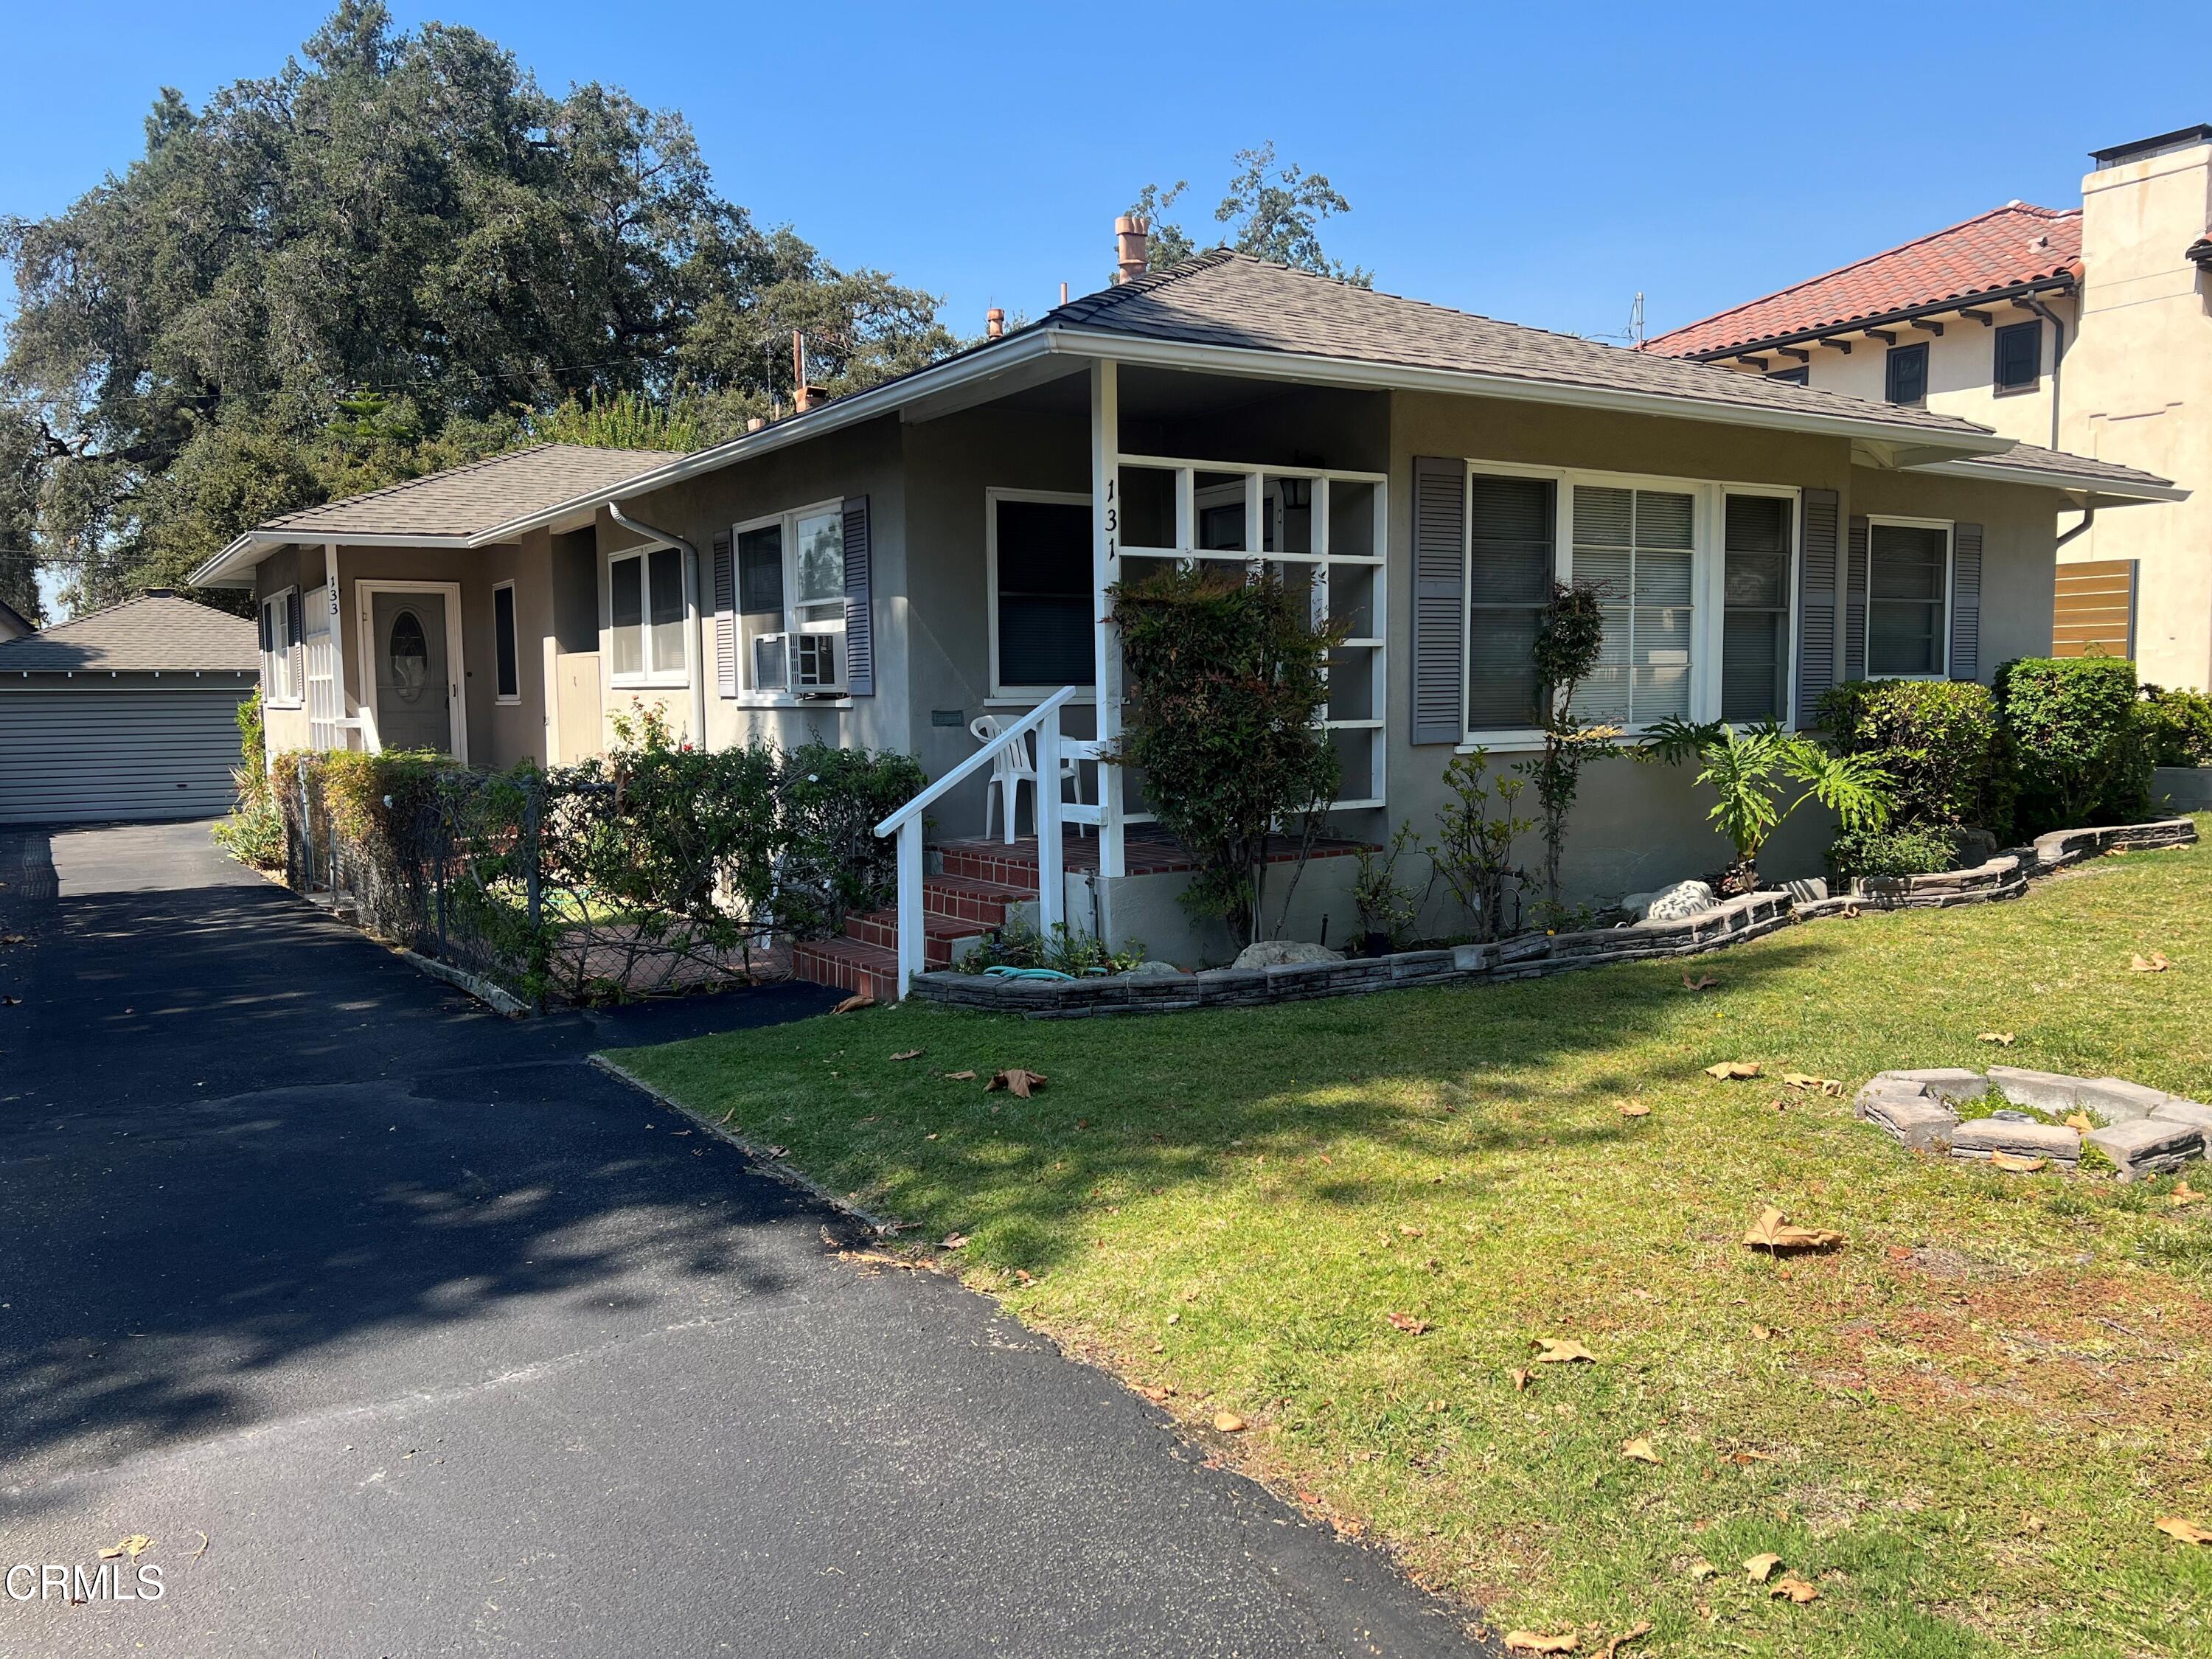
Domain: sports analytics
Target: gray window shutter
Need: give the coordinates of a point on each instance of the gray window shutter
(860, 603)
(293, 620)
(1966, 602)
(726, 613)
(1439, 600)
(1855, 602)
(1816, 601)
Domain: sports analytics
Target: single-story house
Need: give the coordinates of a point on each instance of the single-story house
(881, 569)
(14, 624)
(125, 712)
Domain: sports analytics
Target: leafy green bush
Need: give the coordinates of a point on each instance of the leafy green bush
(1226, 678)
(1066, 951)
(2082, 758)
(2178, 726)
(1894, 849)
(1751, 769)
(254, 832)
(1474, 852)
(1940, 742)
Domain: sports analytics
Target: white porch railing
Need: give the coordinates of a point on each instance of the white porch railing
(1052, 813)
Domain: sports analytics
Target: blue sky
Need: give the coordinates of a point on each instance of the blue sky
(1532, 162)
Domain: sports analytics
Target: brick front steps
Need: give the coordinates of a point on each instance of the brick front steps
(957, 910)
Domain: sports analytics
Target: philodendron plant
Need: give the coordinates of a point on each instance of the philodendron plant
(1753, 769)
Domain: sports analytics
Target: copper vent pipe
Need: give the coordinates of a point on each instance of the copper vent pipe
(1132, 237)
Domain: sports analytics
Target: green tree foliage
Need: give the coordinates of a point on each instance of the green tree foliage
(625, 421)
(1226, 678)
(394, 253)
(1273, 212)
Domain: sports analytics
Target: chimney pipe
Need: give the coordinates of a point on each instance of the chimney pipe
(1063, 293)
(1131, 236)
(756, 423)
(995, 324)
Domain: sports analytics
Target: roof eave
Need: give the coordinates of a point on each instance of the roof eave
(2105, 492)
(233, 568)
(1992, 296)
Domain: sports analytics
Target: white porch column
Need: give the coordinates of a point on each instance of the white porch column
(1105, 571)
(344, 733)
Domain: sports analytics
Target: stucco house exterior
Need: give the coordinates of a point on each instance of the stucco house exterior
(881, 569)
(2086, 329)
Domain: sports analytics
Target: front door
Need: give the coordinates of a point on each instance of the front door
(417, 698)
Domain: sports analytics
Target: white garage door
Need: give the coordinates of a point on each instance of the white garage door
(81, 752)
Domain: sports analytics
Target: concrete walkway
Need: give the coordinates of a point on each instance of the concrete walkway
(401, 1331)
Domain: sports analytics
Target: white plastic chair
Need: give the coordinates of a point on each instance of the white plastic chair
(1010, 768)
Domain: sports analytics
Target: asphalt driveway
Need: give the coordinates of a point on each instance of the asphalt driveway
(401, 1331)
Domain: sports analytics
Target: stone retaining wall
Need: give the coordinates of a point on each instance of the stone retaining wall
(2143, 1131)
(1731, 922)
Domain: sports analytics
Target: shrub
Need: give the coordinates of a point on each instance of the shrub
(1940, 744)
(1895, 849)
(1226, 679)
(254, 832)
(2178, 726)
(1751, 769)
(1569, 639)
(1067, 951)
(2073, 722)
(1473, 853)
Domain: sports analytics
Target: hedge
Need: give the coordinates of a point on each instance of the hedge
(2083, 757)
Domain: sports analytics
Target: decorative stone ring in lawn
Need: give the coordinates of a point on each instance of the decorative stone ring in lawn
(2020, 1119)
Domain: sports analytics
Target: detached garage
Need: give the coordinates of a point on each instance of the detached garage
(128, 712)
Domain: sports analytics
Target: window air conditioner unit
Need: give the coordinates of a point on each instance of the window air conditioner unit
(805, 664)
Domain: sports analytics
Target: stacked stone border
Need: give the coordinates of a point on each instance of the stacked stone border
(1731, 922)
(2146, 1131)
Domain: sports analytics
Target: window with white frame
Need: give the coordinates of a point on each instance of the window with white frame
(1320, 531)
(1696, 584)
(644, 610)
(1042, 632)
(279, 675)
(791, 600)
(1908, 591)
(1639, 547)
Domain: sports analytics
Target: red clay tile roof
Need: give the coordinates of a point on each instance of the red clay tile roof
(2001, 249)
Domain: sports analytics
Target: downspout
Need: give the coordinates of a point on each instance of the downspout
(2088, 517)
(2057, 353)
(697, 640)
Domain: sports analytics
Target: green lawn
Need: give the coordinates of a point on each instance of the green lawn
(1960, 1428)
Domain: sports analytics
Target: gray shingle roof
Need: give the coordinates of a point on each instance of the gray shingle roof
(155, 633)
(467, 501)
(2028, 460)
(1226, 299)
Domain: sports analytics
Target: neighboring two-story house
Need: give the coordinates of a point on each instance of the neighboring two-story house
(2087, 329)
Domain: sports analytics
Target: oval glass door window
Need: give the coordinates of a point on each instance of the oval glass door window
(409, 653)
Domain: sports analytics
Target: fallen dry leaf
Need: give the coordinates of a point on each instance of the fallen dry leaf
(1811, 1084)
(1795, 1588)
(858, 1000)
(960, 1077)
(1640, 1450)
(1760, 1568)
(1229, 1423)
(1411, 1231)
(1635, 1108)
(1152, 1393)
(956, 1240)
(1640, 1628)
(1702, 1569)
(2187, 1531)
(2183, 1194)
(2156, 962)
(910, 1054)
(1016, 1082)
(1748, 1457)
(1762, 1334)
(2018, 1164)
(1521, 1376)
(2032, 1525)
(1527, 1641)
(777, 1152)
(1728, 1070)
(137, 1544)
(1562, 1350)
(2080, 1121)
(1407, 1323)
(2003, 1038)
(1703, 983)
(1774, 1232)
